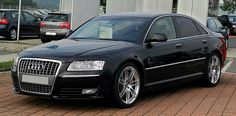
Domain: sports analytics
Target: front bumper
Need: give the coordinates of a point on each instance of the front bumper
(69, 85)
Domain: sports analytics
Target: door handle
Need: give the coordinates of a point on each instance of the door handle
(204, 41)
(178, 46)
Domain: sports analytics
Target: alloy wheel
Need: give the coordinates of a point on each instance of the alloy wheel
(13, 34)
(128, 85)
(214, 69)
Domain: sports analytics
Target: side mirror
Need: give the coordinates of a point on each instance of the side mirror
(157, 37)
(68, 33)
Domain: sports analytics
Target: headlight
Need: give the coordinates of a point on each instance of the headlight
(234, 26)
(86, 65)
(16, 59)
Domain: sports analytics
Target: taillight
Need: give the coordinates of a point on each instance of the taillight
(42, 24)
(223, 49)
(4, 21)
(65, 25)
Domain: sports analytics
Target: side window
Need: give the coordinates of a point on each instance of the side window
(28, 17)
(211, 24)
(164, 26)
(187, 27)
(203, 31)
(15, 16)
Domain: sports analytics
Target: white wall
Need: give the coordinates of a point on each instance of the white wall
(114, 6)
(151, 6)
(81, 10)
(197, 9)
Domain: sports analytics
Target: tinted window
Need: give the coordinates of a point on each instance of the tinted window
(2, 14)
(15, 16)
(211, 24)
(203, 31)
(186, 27)
(56, 18)
(164, 26)
(218, 24)
(112, 28)
(29, 17)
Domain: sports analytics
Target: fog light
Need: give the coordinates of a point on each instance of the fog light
(89, 91)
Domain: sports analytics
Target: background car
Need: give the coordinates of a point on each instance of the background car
(29, 25)
(37, 14)
(229, 21)
(214, 25)
(232, 19)
(55, 27)
(119, 56)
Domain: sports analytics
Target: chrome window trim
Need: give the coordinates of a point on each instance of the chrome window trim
(173, 79)
(79, 76)
(39, 59)
(171, 64)
(180, 38)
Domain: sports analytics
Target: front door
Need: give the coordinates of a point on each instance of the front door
(164, 58)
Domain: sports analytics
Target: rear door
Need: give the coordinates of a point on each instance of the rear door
(14, 15)
(195, 42)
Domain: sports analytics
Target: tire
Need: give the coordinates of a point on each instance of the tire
(213, 70)
(44, 40)
(127, 85)
(12, 34)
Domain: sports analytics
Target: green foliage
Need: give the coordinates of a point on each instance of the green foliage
(4, 65)
(229, 5)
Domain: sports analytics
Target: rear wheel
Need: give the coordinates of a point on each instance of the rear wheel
(213, 70)
(12, 34)
(127, 85)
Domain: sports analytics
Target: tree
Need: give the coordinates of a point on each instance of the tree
(229, 5)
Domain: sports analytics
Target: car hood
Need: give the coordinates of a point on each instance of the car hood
(69, 49)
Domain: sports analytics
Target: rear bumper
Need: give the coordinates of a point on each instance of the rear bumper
(54, 34)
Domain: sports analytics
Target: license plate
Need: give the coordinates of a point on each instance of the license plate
(50, 33)
(35, 79)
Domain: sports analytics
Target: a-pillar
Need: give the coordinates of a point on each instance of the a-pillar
(80, 10)
(197, 9)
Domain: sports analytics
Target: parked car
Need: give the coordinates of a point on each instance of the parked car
(120, 56)
(37, 14)
(214, 25)
(29, 25)
(229, 21)
(55, 27)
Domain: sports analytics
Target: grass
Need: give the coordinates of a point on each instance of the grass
(5, 65)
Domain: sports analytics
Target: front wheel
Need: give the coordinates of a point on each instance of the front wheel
(127, 85)
(213, 70)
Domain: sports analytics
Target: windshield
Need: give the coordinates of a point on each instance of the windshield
(112, 28)
(56, 18)
(232, 18)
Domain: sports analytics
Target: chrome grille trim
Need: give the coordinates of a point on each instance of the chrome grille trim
(42, 73)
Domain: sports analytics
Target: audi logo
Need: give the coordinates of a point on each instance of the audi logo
(38, 67)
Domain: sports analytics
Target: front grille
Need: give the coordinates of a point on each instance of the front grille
(45, 89)
(38, 67)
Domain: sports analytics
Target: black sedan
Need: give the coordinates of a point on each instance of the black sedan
(120, 56)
